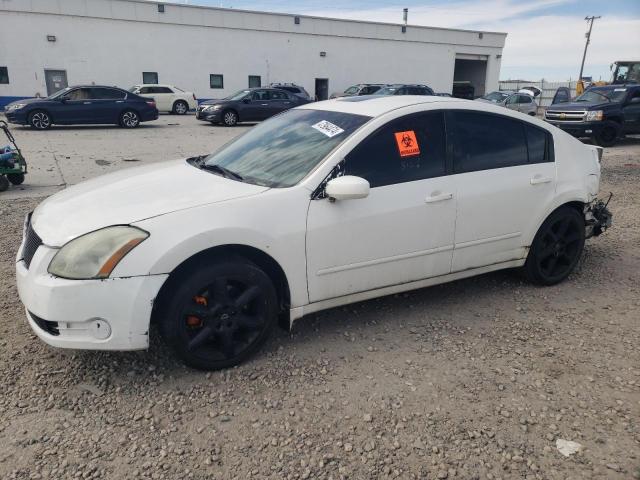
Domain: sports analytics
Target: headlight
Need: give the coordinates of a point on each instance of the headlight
(95, 254)
(15, 106)
(595, 115)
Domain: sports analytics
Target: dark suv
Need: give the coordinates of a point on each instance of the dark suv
(248, 105)
(603, 114)
(297, 90)
(90, 104)
(405, 89)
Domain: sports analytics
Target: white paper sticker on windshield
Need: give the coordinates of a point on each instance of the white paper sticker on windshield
(328, 128)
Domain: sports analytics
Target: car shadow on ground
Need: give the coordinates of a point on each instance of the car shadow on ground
(318, 331)
(142, 126)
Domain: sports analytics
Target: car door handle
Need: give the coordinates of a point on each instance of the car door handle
(119, 101)
(438, 197)
(539, 179)
(264, 104)
(87, 103)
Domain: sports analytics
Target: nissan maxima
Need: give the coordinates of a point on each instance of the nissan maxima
(323, 205)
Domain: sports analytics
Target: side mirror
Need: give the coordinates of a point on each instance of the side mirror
(246, 100)
(347, 187)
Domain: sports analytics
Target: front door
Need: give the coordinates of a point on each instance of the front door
(75, 106)
(505, 179)
(55, 80)
(631, 112)
(403, 231)
(257, 108)
(322, 88)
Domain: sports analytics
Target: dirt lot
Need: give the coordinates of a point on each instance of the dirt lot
(476, 379)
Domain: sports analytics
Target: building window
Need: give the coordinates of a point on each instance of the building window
(255, 81)
(150, 77)
(161, 8)
(4, 75)
(216, 80)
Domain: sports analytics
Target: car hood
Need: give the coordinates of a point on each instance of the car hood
(26, 101)
(570, 106)
(131, 195)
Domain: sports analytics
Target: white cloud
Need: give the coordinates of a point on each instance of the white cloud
(537, 46)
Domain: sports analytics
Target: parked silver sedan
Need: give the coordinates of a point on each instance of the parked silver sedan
(518, 101)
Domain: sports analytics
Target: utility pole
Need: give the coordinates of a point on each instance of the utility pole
(588, 35)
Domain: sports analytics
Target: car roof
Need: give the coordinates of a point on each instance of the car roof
(375, 105)
(152, 85)
(94, 86)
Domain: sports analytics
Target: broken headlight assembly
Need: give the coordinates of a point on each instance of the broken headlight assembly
(95, 255)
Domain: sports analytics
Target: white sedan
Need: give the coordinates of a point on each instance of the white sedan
(324, 205)
(168, 98)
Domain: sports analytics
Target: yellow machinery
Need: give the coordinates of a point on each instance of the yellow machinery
(623, 72)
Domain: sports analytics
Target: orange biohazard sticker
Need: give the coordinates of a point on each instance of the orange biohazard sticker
(407, 143)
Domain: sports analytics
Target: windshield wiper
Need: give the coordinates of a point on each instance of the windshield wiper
(225, 172)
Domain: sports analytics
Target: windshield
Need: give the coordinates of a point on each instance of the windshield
(59, 93)
(596, 95)
(284, 149)
(351, 90)
(238, 95)
(387, 91)
(496, 96)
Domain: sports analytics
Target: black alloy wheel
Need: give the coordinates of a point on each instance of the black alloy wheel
(557, 247)
(220, 314)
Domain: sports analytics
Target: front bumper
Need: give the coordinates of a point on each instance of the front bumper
(579, 129)
(208, 116)
(111, 314)
(16, 116)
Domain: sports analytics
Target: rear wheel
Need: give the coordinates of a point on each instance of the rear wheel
(557, 247)
(129, 119)
(229, 118)
(4, 183)
(40, 120)
(180, 107)
(16, 178)
(607, 136)
(219, 314)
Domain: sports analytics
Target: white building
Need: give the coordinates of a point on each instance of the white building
(47, 44)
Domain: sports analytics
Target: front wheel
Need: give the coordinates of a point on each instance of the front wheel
(230, 118)
(220, 314)
(607, 136)
(557, 247)
(40, 120)
(129, 119)
(180, 107)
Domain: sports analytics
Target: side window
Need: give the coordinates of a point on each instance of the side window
(481, 141)
(145, 90)
(106, 94)
(539, 144)
(150, 77)
(276, 95)
(525, 99)
(512, 99)
(406, 149)
(260, 95)
(78, 94)
(163, 90)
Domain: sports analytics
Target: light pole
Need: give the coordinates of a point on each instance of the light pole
(588, 35)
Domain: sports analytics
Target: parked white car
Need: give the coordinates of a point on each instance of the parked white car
(168, 98)
(323, 205)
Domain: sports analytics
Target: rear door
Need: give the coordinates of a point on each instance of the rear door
(107, 104)
(505, 177)
(631, 111)
(163, 97)
(279, 101)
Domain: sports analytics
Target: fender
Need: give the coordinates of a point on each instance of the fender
(561, 199)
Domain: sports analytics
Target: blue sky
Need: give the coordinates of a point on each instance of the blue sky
(545, 37)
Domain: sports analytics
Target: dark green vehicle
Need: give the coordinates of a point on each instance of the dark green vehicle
(13, 166)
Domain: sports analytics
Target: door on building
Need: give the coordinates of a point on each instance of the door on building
(55, 80)
(322, 88)
(470, 75)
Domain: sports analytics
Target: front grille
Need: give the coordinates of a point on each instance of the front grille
(31, 243)
(565, 116)
(48, 326)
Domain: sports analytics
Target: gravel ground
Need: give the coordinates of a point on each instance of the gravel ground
(475, 379)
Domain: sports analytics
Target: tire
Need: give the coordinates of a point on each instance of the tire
(4, 183)
(219, 314)
(129, 119)
(39, 120)
(16, 178)
(180, 107)
(229, 118)
(607, 136)
(533, 114)
(557, 247)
